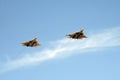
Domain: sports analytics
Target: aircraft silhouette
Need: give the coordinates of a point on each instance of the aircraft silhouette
(31, 43)
(77, 35)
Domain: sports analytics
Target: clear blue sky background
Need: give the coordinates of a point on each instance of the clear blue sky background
(51, 20)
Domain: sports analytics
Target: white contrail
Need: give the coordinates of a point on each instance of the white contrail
(66, 47)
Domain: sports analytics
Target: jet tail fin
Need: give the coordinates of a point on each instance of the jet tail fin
(81, 31)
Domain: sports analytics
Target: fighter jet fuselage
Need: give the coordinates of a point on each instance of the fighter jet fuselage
(31, 43)
(77, 35)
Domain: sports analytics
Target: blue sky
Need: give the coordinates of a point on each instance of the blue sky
(60, 58)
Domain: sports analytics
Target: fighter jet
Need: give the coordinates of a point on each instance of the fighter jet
(31, 43)
(77, 35)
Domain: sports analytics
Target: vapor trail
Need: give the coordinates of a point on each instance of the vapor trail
(66, 47)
